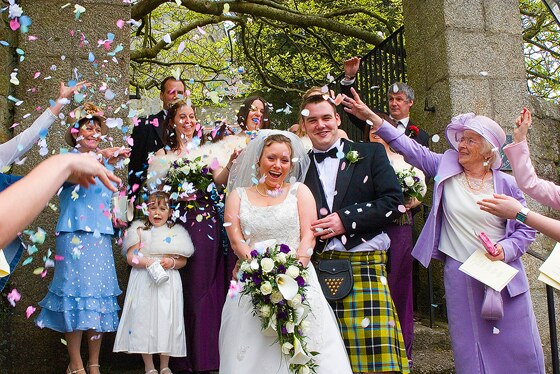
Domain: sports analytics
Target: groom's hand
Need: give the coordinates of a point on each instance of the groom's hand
(328, 227)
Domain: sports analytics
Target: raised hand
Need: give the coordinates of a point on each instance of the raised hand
(351, 67)
(67, 92)
(114, 154)
(358, 108)
(523, 124)
(85, 167)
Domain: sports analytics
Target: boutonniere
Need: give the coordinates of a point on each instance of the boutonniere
(353, 157)
(413, 131)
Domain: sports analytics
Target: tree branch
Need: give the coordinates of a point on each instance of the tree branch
(348, 11)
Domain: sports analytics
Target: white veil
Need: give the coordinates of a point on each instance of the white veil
(244, 171)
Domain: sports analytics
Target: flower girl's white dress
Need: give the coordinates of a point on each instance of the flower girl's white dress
(243, 347)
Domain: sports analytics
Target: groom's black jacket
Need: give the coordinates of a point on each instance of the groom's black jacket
(366, 191)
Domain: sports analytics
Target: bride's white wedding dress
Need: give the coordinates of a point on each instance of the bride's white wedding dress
(243, 347)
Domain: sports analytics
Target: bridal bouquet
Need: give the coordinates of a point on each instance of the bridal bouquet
(276, 283)
(185, 177)
(412, 187)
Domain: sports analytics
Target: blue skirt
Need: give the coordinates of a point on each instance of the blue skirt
(84, 289)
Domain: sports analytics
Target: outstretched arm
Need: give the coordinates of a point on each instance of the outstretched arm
(507, 207)
(20, 144)
(24, 200)
(307, 212)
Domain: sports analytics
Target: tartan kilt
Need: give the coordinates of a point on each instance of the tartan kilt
(367, 318)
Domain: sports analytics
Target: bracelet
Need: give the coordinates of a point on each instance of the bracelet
(228, 167)
(174, 263)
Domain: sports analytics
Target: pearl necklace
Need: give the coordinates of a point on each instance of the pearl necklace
(269, 193)
(480, 187)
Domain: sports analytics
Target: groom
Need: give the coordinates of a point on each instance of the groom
(357, 193)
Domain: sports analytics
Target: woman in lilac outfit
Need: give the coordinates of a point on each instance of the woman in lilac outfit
(462, 176)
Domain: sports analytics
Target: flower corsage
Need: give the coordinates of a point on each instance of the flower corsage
(353, 157)
(276, 282)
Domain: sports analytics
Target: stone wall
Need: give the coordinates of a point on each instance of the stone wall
(60, 52)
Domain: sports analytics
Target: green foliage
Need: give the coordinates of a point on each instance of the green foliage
(541, 46)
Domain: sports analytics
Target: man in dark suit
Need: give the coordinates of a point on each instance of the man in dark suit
(357, 194)
(147, 135)
(401, 99)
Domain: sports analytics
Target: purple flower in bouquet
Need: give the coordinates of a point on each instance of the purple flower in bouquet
(254, 253)
(284, 330)
(300, 281)
(284, 248)
(256, 279)
(281, 269)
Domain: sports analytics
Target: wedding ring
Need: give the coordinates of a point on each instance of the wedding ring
(331, 230)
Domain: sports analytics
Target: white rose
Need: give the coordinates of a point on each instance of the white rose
(267, 264)
(292, 271)
(295, 302)
(281, 257)
(304, 370)
(255, 264)
(409, 181)
(244, 267)
(265, 311)
(305, 325)
(266, 288)
(287, 348)
(276, 297)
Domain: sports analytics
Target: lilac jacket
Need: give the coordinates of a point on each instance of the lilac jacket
(543, 191)
(518, 236)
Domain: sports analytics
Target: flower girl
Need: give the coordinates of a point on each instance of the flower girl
(152, 318)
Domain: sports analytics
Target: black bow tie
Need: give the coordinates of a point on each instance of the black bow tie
(321, 156)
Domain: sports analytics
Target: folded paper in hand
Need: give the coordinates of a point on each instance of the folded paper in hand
(494, 274)
(550, 269)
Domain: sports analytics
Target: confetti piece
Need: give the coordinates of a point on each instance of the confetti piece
(227, 224)
(29, 311)
(120, 23)
(402, 209)
(383, 280)
(388, 213)
(305, 112)
(27, 261)
(13, 297)
(495, 330)
(38, 270)
(63, 341)
(365, 179)
(395, 88)
(167, 38)
(201, 30)
(483, 73)
(365, 323)
(181, 47)
(435, 138)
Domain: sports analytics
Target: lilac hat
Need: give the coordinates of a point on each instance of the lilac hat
(482, 125)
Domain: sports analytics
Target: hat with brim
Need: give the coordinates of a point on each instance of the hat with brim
(482, 125)
(78, 116)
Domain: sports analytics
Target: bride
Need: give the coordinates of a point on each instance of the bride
(277, 207)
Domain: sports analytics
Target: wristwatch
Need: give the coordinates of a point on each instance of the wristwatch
(522, 215)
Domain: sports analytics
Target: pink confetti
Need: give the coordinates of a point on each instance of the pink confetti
(32, 38)
(402, 209)
(14, 24)
(37, 75)
(29, 311)
(201, 30)
(155, 122)
(343, 166)
(120, 23)
(130, 141)
(58, 258)
(13, 297)
(323, 211)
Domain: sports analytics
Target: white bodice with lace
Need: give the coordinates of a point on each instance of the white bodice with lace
(280, 222)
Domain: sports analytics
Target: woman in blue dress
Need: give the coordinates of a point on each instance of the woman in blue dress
(83, 293)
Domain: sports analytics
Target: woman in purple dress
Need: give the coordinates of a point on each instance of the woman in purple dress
(469, 172)
(204, 277)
